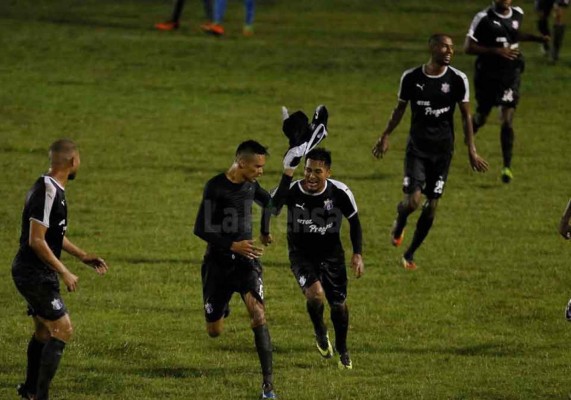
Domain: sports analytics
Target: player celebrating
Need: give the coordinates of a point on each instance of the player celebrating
(316, 207)
(231, 263)
(494, 37)
(433, 91)
(544, 8)
(37, 265)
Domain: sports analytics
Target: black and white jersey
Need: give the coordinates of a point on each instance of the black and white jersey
(46, 204)
(433, 100)
(491, 29)
(225, 213)
(314, 219)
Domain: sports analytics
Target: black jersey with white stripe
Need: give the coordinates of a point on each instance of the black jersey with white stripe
(314, 219)
(491, 29)
(433, 99)
(225, 213)
(45, 204)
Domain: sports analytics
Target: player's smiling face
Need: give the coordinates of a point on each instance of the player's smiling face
(253, 167)
(316, 174)
(502, 5)
(443, 51)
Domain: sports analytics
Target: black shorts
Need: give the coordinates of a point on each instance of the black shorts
(331, 274)
(492, 91)
(222, 275)
(546, 6)
(44, 299)
(428, 174)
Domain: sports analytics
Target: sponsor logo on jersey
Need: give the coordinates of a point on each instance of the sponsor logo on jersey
(437, 113)
(420, 86)
(57, 304)
(497, 23)
(300, 206)
(445, 88)
(320, 229)
(328, 204)
(423, 103)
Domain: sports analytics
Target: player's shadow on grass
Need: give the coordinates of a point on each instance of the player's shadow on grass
(158, 260)
(481, 349)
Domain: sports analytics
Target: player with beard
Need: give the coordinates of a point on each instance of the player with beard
(433, 90)
(494, 37)
(316, 207)
(37, 265)
(231, 263)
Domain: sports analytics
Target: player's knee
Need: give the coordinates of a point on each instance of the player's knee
(63, 331)
(42, 335)
(414, 202)
(315, 295)
(258, 319)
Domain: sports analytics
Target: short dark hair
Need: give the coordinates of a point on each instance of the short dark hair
(62, 149)
(250, 148)
(437, 38)
(320, 154)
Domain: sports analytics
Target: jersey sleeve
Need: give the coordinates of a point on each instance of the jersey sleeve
(463, 88)
(405, 93)
(475, 30)
(41, 202)
(261, 196)
(204, 227)
(347, 203)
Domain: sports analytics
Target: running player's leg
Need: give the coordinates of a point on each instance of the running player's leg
(249, 6)
(486, 94)
(558, 28)
(216, 295)
(315, 303)
(414, 179)
(543, 9)
(177, 11)
(423, 226)
(507, 140)
(34, 354)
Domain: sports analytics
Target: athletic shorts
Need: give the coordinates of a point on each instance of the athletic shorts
(547, 5)
(331, 274)
(428, 174)
(494, 91)
(222, 276)
(44, 299)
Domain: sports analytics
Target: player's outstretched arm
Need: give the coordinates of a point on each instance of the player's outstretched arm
(476, 162)
(564, 227)
(94, 261)
(382, 144)
(474, 48)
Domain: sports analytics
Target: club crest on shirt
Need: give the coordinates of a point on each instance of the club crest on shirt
(57, 304)
(445, 88)
(328, 204)
(515, 24)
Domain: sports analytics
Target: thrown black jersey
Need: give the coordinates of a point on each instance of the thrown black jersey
(225, 213)
(432, 102)
(491, 29)
(45, 204)
(314, 219)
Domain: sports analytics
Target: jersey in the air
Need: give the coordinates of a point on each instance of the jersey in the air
(433, 100)
(491, 29)
(46, 204)
(225, 213)
(314, 219)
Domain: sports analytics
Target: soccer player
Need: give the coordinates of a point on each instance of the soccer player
(544, 9)
(37, 265)
(433, 90)
(219, 10)
(494, 37)
(174, 22)
(231, 263)
(316, 207)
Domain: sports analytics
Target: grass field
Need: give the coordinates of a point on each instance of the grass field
(157, 114)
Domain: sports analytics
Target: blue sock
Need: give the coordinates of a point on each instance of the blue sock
(219, 11)
(249, 5)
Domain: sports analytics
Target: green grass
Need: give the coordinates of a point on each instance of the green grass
(157, 114)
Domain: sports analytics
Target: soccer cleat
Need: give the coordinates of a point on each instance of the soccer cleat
(396, 241)
(345, 361)
(507, 175)
(268, 392)
(212, 29)
(324, 346)
(248, 30)
(568, 311)
(167, 26)
(23, 392)
(409, 265)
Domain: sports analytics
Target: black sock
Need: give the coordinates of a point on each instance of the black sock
(558, 32)
(35, 348)
(51, 356)
(402, 215)
(543, 27)
(315, 310)
(264, 348)
(177, 11)
(208, 9)
(507, 139)
(422, 228)
(340, 319)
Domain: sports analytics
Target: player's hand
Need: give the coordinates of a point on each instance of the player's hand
(506, 52)
(478, 163)
(70, 280)
(381, 147)
(357, 265)
(247, 249)
(266, 239)
(97, 263)
(565, 230)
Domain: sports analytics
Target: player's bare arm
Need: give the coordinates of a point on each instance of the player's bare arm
(473, 47)
(37, 242)
(530, 37)
(382, 145)
(92, 260)
(476, 162)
